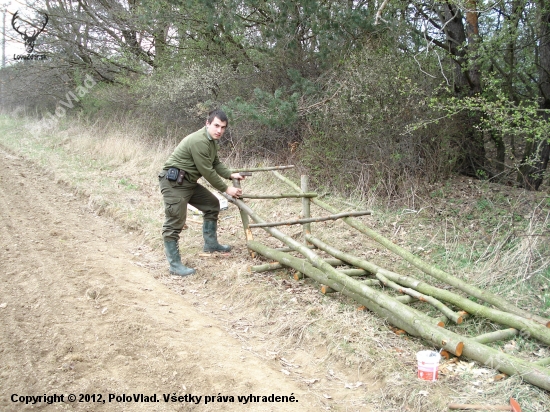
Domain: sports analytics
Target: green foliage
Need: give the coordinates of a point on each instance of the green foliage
(269, 109)
(499, 113)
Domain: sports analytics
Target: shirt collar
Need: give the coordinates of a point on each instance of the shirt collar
(208, 134)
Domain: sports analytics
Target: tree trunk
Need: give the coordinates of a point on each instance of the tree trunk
(463, 42)
(537, 154)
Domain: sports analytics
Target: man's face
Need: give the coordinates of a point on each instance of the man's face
(216, 129)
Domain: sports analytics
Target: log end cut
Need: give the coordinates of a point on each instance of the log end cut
(459, 348)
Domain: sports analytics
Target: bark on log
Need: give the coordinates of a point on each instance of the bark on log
(504, 334)
(493, 358)
(260, 169)
(277, 265)
(534, 329)
(370, 282)
(404, 317)
(289, 249)
(439, 336)
(279, 196)
(449, 314)
(306, 205)
(437, 273)
(354, 272)
(244, 218)
(307, 268)
(310, 220)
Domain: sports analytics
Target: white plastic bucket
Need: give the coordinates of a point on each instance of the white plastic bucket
(428, 364)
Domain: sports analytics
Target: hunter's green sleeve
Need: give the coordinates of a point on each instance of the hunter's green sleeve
(220, 168)
(202, 158)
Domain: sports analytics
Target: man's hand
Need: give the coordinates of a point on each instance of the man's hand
(237, 176)
(234, 191)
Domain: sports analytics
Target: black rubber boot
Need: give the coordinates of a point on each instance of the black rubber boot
(174, 258)
(210, 234)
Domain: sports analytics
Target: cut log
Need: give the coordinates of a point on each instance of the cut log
(370, 282)
(260, 169)
(310, 220)
(244, 218)
(322, 278)
(306, 205)
(534, 329)
(400, 315)
(280, 196)
(354, 272)
(277, 265)
(504, 334)
(449, 314)
(437, 273)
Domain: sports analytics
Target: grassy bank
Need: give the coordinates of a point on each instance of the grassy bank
(491, 235)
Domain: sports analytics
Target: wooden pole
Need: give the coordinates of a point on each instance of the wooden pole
(436, 335)
(370, 282)
(535, 329)
(456, 318)
(289, 249)
(414, 322)
(437, 273)
(276, 265)
(310, 220)
(281, 196)
(309, 270)
(306, 207)
(244, 218)
(260, 169)
(504, 334)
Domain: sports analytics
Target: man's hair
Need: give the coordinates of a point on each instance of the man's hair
(219, 114)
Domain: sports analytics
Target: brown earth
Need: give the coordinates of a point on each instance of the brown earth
(80, 313)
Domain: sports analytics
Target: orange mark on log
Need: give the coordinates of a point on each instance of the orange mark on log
(459, 320)
(361, 307)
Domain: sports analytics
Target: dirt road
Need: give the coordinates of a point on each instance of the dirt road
(79, 316)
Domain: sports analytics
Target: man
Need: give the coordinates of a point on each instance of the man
(196, 156)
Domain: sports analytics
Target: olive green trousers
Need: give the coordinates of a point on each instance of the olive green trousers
(176, 197)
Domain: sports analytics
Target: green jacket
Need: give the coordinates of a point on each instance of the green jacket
(197, 154)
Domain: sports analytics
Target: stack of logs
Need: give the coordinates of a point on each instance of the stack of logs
(453, 306)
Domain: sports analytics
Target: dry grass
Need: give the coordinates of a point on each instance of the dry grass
(280, 318)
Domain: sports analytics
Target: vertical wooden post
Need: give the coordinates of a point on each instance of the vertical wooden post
(246, 221)
(306, 205)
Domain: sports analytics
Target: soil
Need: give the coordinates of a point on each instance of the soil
(80, 313)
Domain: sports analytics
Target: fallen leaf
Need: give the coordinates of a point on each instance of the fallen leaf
(423, 393)
(327, 396)
(285, 371)
(3, 305)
